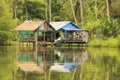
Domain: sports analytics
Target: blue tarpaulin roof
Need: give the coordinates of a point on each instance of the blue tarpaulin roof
(64, 25)
(70, 26)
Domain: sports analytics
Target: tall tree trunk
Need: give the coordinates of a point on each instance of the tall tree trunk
(50, 10)
(96, 10)
(73, 12)
(46, 10)
(81, 10)
(15, 9)
(108, 12)
(26, 12)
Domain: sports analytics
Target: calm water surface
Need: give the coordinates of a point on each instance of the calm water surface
(28, 63)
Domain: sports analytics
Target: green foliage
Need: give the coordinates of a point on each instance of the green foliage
(56, 18)
(27, 11)
(110, 42)
(110, 28)
(4, 36)
(7, 23)
(61, 11)
(115, 12)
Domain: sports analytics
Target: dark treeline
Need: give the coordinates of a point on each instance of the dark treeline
(99, 17)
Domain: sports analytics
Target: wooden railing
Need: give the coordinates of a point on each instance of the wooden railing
(27, 39)
(72, 38)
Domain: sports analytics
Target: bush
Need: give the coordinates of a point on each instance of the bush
(4, 36)
(110, 42)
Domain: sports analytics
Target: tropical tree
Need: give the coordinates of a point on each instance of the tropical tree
(81, 10)
(50, 1)
(7, 23)
(46, 9)
(27, 11)
(96, 9)
(108, 12)
(110, 28)
(73, 12)
(15, 8)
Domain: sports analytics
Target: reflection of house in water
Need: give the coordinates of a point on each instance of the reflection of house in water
(43, 59)
(69, 59)
(27, 61)
(34, 60)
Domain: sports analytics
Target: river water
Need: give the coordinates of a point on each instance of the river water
(68, 63)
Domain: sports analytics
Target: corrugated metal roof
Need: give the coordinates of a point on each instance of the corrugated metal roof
(30, 25)
(59, 25)
(64, 25)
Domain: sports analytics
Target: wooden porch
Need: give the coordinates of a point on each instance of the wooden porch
(73, 38)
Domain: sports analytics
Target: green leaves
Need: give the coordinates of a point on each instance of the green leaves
(7, 23)
(109, 29)
(61, 11)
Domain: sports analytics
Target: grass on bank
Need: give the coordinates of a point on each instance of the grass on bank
(110, 42)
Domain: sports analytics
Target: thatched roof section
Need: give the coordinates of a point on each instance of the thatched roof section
(30, 67)
(30, 25)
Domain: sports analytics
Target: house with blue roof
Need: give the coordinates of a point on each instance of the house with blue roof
(69, 32)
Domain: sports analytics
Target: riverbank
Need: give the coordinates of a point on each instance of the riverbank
(110, 42)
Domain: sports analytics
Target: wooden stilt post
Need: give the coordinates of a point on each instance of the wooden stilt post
(44, 39)
(36, 38)
(35, 54)
(52, 39)
(54, 35)
(27, 44)
(19, 44)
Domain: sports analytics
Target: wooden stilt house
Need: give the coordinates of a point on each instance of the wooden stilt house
(69, 32)
(35, 31)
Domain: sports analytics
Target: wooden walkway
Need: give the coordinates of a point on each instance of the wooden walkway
(30, 67)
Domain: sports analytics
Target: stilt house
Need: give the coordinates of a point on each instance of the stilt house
(34, 31)
(69, 32)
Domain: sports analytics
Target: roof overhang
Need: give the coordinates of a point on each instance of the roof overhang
(30, 25)
(67, 29)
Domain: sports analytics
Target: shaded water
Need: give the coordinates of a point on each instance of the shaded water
(59, 63)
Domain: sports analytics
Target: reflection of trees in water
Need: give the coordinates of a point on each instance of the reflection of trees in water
(117, 73)
(104, 65)
(94, 66)
(109, 65)
(73, 55)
